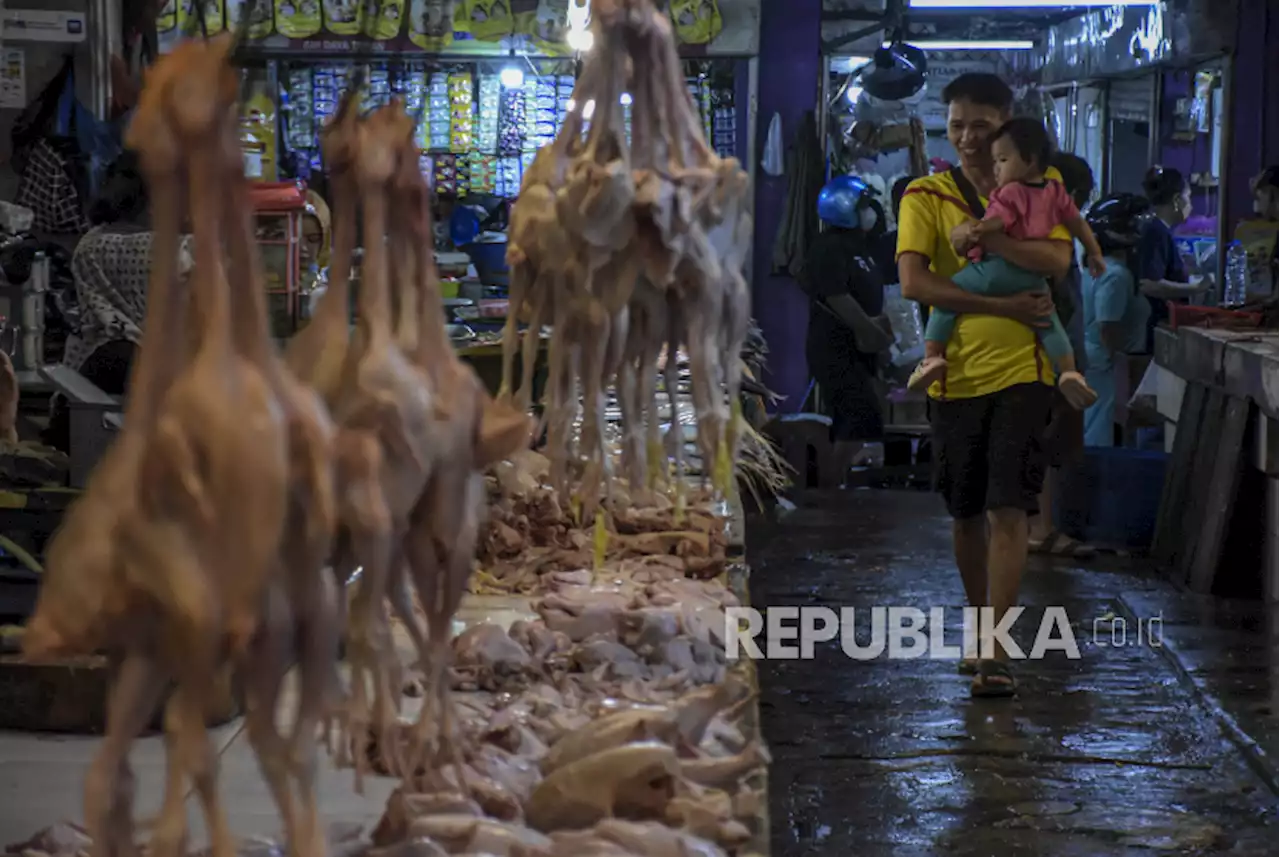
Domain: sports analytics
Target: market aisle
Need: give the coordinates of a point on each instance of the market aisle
(1096, 756)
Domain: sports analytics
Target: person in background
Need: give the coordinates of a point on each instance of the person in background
(988, 430)
(316, 236)
(846, 293)
(1258, 234)
(887, 244)
(1064, 439)
(1161, 272)
(1115, 312)
(111, 267)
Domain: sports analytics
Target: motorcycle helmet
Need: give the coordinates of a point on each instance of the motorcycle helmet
(1117, 220)
(838, 201)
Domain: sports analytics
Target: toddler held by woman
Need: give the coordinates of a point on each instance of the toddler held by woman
(1025, 206)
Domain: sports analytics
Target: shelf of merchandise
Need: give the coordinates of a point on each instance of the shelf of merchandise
(475, 135)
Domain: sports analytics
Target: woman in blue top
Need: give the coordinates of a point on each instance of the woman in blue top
(1115, 312)
(1161, 273)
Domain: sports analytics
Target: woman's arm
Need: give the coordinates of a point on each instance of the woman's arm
(1044, 256)
(923, 285)
(1169, 290)
(871, 337)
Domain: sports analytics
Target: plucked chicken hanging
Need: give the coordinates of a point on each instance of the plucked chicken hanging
(627, 250)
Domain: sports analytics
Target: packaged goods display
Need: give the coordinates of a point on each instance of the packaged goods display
(461, 113)
(475, 134)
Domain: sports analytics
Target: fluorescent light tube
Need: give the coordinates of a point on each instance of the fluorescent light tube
(1027, 4)
(976, 45)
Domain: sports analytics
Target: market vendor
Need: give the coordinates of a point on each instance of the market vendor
(1162, 275)
(1115, 312)
(846, 292)
(1258, 234)
(111, 267)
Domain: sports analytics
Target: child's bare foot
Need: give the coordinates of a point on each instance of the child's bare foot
(930, 369)
(1076, 390)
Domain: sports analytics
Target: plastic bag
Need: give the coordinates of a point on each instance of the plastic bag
(908, 327)
(772, 162)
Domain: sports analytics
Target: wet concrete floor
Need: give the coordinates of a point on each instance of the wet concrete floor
(1121, 751)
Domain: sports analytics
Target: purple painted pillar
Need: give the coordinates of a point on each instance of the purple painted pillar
(789, 64)
(1186, 156)
(1253, 107)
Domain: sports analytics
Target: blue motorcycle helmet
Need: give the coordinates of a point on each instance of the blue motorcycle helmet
(838, 201)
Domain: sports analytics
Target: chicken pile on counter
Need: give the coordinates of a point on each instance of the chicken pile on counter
(627, 251)
(249, 487)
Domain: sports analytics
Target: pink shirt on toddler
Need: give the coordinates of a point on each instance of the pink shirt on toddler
(1029, 211)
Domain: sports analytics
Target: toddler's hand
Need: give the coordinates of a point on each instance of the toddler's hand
(1097, 265)
(964, 236)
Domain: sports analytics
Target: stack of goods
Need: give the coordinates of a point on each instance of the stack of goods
(410, 86)
(446, 174)
(511, 122)
(377, 88)
(438, 118)
(507, 183)
(724, 124)
(491, 95)
(301, 112)
(484, 172)
(700, 92)
(462, 173)
(626, 118)
(564, 97)
(426, 166)
(461, 113)
(540, 119)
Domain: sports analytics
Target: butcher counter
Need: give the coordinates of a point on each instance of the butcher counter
(507, 609)
(25, 693)
(1217, 392)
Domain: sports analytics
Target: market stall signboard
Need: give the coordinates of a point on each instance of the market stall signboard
(463, 27)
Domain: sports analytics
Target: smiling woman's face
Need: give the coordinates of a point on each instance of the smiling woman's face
(969, 130)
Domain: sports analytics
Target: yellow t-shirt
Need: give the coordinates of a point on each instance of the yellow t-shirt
(986, 353)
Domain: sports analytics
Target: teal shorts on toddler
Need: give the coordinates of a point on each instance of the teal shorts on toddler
(996, 278)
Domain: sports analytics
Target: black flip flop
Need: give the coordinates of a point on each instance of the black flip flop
(1004, 685)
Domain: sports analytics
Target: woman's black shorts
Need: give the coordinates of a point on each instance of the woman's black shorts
(989, 451)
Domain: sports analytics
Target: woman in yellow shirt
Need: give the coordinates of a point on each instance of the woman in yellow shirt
(988, 431)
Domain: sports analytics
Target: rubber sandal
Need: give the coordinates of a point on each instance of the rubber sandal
(994, 681)
(1061, 545)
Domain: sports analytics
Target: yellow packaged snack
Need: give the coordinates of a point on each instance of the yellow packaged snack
(547, 33)
(168, 17)
(297, 19)
(259, 26)
(190, 24)
(387, 22)
(343, 17)
(696, 21)
(431, 23)
(489, 20)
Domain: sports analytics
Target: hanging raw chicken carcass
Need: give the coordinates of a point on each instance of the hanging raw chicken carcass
(627, 249)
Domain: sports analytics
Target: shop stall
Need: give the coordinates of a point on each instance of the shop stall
(1140, 86)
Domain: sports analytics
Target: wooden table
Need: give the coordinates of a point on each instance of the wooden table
(1218, 507)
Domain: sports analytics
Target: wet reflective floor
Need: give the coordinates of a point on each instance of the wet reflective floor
(1159, 737)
